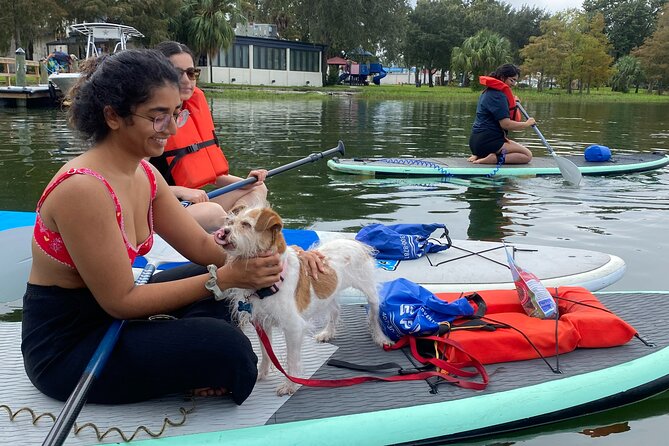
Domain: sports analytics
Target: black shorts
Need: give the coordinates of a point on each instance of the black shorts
(484, 143)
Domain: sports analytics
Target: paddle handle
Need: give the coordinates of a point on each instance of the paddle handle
(536, 130)
(250, 180)
(68, 415)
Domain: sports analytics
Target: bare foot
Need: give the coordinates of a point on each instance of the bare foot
(490, 159)
(472, 158)
(210, 391)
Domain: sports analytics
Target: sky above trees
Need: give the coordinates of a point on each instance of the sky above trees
(548, 5)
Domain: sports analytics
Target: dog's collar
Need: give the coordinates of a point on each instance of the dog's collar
(275, 287)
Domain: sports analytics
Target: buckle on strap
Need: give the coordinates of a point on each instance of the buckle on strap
(192, 148)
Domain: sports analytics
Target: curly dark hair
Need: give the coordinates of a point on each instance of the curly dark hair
(121, 81)
(170, 48)
(504, 71)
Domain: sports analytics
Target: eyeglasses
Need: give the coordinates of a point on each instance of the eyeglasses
(192, 73)
(162, 121)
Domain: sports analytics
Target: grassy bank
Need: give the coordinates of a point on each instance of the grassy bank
(411, 92)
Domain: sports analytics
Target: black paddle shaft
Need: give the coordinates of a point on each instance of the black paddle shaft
(250, 180)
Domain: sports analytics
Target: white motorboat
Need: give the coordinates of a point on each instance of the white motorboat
(96, 33)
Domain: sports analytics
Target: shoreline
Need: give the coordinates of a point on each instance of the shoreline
(437, 93)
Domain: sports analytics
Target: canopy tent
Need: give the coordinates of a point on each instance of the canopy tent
(337, 61)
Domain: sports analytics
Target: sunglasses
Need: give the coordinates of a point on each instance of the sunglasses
(192, 73)
(162, 121)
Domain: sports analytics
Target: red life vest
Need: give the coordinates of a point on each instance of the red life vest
(496, 84)
(580, 326)
(193, 154)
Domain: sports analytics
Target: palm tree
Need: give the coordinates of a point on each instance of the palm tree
(481, 54)
(209, 26)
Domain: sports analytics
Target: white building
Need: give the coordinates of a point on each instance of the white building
(254, 60)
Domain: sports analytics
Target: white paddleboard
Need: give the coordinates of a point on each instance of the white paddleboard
(467, 266)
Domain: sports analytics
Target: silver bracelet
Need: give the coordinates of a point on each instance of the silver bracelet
(212, 283)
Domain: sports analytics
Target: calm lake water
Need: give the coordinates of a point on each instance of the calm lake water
(621, 215)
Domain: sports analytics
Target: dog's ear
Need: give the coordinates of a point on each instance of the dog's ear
(237, 209)
(269, 220)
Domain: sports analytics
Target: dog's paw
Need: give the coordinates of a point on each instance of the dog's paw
(287, 388)
(382, 340)
(324, 336)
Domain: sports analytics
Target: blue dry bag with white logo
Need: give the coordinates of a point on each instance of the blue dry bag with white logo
(403, 241)
(597, 154)
(407, 308)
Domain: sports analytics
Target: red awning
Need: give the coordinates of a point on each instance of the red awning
(337, 61)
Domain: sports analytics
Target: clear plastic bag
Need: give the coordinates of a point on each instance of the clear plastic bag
(534, 297)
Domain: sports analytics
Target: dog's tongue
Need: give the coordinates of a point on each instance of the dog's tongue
(220, 238)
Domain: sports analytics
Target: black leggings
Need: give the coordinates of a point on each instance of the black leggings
(201, 348)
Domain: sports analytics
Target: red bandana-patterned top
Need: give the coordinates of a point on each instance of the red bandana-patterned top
(52, 243)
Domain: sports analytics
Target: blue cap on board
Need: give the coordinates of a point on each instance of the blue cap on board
(596, 153)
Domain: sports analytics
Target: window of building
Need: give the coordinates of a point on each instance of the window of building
(301, 60)
(266, 58)
(237, 56)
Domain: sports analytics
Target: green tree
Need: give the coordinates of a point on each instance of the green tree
(342, 25)
(21, 20)
(654, 54)
(626, 72)
(206, 26)
(594, 48)
(542, 54)
(628, 23)
(571, 48)
(434, 30)
(481, 54)
(523, 24)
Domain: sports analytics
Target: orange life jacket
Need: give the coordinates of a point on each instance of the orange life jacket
(496, 84)
(579, 326)
(193, 154)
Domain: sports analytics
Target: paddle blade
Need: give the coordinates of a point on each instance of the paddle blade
(569, 170)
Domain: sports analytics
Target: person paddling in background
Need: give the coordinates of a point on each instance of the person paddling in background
(496, 114)
(95, 216)
(193, 158)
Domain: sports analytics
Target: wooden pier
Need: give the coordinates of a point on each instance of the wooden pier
(22, 96)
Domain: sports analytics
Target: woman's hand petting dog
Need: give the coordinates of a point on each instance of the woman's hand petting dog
(313, 258)
(255, 273)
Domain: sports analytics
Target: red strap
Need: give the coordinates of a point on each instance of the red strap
(343, 382)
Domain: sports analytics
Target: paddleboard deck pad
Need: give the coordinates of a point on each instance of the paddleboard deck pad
(520, 394)
(460, 167)
(466, 266)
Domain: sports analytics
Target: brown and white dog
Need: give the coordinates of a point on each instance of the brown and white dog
(299, 298)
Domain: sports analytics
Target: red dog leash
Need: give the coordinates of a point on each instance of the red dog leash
(449, 374)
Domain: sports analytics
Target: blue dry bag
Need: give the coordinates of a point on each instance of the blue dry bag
(407, 308)
(403, 241)
(597, 154)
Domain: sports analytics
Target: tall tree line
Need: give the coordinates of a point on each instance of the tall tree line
(461, 37)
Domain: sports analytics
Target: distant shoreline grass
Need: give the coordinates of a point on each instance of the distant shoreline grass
(437, 93)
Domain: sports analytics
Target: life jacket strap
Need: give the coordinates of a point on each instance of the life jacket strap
(180, 153)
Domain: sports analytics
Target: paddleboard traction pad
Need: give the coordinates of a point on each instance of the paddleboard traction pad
(353, 344)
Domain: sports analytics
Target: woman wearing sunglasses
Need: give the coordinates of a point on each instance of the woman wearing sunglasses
(193, 157)
(99, 213)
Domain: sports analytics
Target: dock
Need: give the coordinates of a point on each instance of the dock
(22, 95)
(42, 94)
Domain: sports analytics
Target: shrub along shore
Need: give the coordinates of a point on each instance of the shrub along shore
(437, 93)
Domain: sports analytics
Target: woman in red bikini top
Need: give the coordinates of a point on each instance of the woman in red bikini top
(96, 215)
